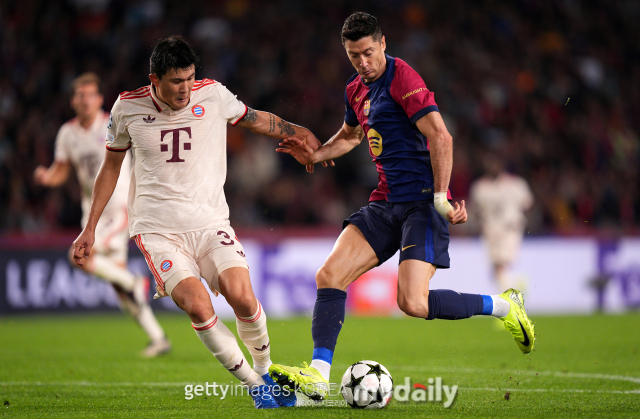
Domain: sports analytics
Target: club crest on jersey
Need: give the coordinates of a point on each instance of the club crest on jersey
(367, 106)
(198, 111)
(166, 265)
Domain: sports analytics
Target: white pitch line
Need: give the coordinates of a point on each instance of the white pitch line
(599, 376)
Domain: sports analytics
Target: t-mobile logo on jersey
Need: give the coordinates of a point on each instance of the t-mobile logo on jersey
(175, 149)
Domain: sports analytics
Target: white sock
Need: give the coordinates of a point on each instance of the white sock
(149, 323)
(253, 332)
(108, 270)
(501, 306)
(223, 345)
(323, 367)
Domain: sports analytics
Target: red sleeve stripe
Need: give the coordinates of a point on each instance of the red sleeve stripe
(147, 257)
(134, 91)
(135, 97)
(246, 109)
(206, 326)
(203, 85)
(119, 149)
(203, 81)
(255, 318)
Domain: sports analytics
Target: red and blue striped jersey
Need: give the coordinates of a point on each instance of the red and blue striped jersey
(387, 109)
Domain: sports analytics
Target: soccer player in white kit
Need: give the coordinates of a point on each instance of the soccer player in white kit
(80, 143)
(176, 128)
(501, 200)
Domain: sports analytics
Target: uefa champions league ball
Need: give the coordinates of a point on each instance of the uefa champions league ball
(367, 385)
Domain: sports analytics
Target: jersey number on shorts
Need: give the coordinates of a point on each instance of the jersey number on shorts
(175, 146)
(226, 236)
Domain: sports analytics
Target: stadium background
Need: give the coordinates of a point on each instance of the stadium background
(553, 88)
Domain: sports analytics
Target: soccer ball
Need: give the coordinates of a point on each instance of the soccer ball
(367, 385)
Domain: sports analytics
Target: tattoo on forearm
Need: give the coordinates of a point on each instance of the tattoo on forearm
(251, 116)
(286, 128)
(272, 123)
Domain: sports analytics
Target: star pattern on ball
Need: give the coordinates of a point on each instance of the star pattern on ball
(375, 369)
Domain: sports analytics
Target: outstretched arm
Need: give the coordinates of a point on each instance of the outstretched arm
(102, 191)
(441, 149)
(341, 143)
(54, 176)
(271, 125)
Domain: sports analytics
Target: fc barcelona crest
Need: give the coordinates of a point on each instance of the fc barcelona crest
(367, 105)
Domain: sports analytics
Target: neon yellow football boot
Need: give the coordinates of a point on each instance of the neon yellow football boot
(517, 322)
(306, 379)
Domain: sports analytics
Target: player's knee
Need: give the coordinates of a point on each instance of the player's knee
(326, 278)
(199, 307)
(245, 303)
(413, 307)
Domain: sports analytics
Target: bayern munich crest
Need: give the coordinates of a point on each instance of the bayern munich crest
(198, 111)
(166, 265)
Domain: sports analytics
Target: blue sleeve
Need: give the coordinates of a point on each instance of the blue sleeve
(349, 114)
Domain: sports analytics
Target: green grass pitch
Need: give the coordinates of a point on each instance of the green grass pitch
(88, 366)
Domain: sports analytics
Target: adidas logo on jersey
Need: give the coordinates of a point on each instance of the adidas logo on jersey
(148, 119)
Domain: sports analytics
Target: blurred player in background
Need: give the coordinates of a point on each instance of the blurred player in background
(80, 143)
(178, 214)
(501, 200)
(388, 102)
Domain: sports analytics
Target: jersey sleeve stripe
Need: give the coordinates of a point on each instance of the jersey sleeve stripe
(135, 97)
(135, 92)
(246, 109)
(119, 149)
(203, 85)
(423, 112)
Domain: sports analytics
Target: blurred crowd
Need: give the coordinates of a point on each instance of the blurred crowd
(552, 88)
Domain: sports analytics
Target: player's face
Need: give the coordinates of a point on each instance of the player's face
(174, 88)
(367, 57)
(86, 101)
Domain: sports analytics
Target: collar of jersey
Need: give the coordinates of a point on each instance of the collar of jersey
(386, 70)
(157, 103)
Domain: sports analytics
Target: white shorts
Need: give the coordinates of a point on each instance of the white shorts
(112, 235)
(205, 253)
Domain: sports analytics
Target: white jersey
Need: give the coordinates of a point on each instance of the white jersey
(179, 157)
(84, 149)
(501, 203)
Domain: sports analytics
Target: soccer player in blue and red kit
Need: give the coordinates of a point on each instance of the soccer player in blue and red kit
(389, 103)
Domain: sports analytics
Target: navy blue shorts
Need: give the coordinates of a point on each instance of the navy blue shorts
(415, 228)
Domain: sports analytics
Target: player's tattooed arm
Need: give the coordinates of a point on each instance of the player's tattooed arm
(268, 124)
(271, 125)
(251, 116)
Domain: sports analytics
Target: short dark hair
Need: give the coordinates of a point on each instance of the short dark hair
(86, 78)
(172, 53)
(360, 25)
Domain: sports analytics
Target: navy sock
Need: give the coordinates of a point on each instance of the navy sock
(328, 317)
(451, 305)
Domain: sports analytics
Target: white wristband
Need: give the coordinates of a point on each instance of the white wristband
(441, 203)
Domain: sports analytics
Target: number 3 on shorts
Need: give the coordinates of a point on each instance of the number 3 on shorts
(226, 236)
